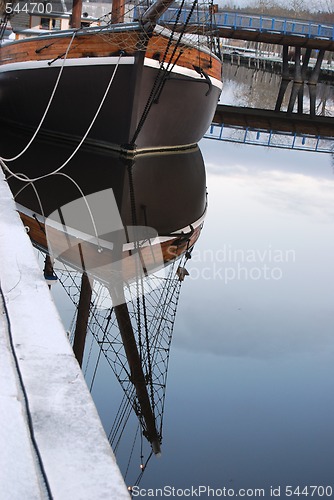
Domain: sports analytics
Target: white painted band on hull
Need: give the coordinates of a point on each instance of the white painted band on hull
(103, 61)
(103, 243)
(83, 61)
(181, 70)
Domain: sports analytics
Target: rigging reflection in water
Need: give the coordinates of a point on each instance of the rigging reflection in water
(121, 229)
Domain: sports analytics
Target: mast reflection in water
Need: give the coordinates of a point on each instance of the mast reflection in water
(121, 230)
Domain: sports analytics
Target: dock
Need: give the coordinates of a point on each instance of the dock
(259, 28)
(53, 445)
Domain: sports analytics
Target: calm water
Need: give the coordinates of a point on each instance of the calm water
(250, 395)
(249, 399)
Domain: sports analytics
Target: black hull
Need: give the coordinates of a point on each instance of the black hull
(179, 117)
(162, 194)
(169, 188)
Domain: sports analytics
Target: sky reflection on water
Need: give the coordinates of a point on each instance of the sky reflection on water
(250, 391)
(249, 401)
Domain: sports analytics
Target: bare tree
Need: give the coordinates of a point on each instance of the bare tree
(298, 6)
(228, 5)
(323, 5)
(264, 5)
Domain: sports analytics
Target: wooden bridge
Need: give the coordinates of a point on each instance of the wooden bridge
(250, 27)
(272, 129)
(270, 30)
(296, 128)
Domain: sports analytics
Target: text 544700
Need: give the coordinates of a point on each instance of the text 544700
(29, 8)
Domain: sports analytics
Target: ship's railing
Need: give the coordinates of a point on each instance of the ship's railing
(250, 22)
(271, 138)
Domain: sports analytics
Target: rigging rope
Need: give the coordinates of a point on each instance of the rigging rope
(143, 469)
(161, 76)
(132, 450)
(34, 189)
(160, 304)
(125, 421)
(118, 419)
(99, 355)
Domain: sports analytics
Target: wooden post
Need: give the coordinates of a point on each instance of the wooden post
(82, 318)
(48, 268)
(306, 60)
(297, 82)
(313, 80)
(285, 78)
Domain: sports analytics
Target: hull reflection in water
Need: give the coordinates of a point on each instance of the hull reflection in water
(121, 229)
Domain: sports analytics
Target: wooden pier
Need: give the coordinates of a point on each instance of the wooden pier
(293, 35)
(267, 119)
(275, 38)
(259, 28)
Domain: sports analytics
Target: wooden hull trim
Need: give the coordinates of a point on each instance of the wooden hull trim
(28, 214)
(93, 44)
(185, 80)
(101, 265)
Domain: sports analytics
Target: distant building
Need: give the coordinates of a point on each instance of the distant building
(25, 17)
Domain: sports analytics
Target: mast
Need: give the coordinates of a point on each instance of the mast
(76, 14)
(137, 374)
(118, 11)
(152, 14)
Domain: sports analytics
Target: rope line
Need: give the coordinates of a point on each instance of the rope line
(47, 107)
(2, 160)
(160, 304)
(83, 196)
(97, 361)
(34, 189)
(132, 450)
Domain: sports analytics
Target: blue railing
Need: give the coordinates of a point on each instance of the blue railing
(270, 138)
(250, 22)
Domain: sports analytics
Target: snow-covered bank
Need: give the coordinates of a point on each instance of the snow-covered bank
(65, 446)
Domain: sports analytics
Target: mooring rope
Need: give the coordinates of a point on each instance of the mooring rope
(47, 106)
(83, 196)
(23, 179)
